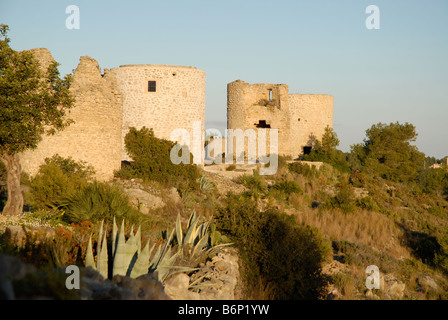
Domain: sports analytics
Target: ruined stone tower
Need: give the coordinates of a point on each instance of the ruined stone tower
(166, 98)
(95, 137)
(162, 97)
(298, 117)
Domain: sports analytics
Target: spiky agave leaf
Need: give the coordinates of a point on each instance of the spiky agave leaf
(100, 237)
(179, 234)
(216, 248)
(102, 260)
(200, 245)
(166, 266)
(133, 246)
(165, 248)
(90, 262)
(191, 229)
(138, 239)
(141, 266)
(119, 265)
(155, 259)
(114, 238)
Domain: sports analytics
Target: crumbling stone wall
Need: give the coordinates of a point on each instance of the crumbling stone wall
(270, 106)
(95, 137)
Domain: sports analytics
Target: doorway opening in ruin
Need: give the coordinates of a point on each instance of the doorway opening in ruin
(307, 150)
(262, 124)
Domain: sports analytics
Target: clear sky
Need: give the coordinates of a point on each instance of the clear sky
(396, 73)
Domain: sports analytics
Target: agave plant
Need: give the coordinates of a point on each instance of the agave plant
(128, 257)
(206, 185)
(197, 240)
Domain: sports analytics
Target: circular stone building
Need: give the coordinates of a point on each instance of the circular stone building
(161, 97)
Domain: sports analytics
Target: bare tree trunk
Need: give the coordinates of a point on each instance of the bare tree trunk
(14, 204)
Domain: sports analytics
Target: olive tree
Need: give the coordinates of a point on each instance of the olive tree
(33, 102)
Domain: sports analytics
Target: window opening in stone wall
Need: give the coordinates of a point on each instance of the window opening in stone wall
(262, 124)
(270, 94)
(307, 150)
(151, 86)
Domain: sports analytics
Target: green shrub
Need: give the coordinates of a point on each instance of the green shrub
(287, 187)
(56, 179)
(424, 247)
(206, 185)
(388, 152)
(287, 257)
(96, 202)
(433, 181)
(303, 169)
(344, 198)
(151, 160)
(367, 203)
(255, 183)
(363, 256)
(284, 190)
(325, 151)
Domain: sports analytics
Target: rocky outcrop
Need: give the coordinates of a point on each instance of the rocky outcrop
(144, 198)
(216, 279)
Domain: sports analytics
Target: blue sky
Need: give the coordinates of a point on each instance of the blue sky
(396, 73)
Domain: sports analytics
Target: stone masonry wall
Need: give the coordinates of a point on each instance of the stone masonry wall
(296, 116)
(95, 137)
(178, 101)
(309, 115)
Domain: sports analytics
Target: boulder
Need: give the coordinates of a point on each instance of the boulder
(145, 287)
(173, 195)
(427, 283)
(11, 268)
(392, 287)
(143, 200)
(218, 278)
(371, 296)
(176, 287)
(17, 235)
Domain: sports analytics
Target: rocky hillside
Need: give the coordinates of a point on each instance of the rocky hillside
(360, 235)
